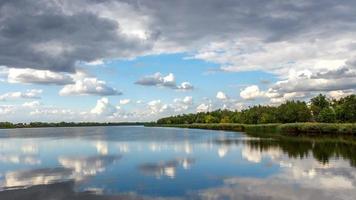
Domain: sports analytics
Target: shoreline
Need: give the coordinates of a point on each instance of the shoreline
(8, 125)
(273, 130)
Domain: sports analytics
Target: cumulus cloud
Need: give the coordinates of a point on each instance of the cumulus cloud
(56, 112)
(6, 109)
(124, 101)
(103, 107)
(160, 80)
(185, 86)
(320, 82)
(221, 96)
(89, 86)
(204, 107)
(250, 92)
(337, 94)
(29, 94)
(31, 104)
(157, 106)
(305, 83)
(38, 77)
(182, 104)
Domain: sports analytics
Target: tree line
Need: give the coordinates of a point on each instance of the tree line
(318, 109)
(64, 124)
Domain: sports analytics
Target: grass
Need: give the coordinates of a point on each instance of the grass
(292, 129)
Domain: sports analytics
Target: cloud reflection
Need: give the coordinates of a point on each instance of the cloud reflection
(272, 188)
(35, 177)
(66, 191)
(19, 159)
(87, 166)
(307, 170)
(73, 169)
(167, 168)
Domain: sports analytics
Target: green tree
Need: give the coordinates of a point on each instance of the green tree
(345, 109)
(225, 119)
(293, 111)
(327, 115)
(211, 119)
(317, 104)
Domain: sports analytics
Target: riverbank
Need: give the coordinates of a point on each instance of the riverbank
(292, 129)
(9, 125)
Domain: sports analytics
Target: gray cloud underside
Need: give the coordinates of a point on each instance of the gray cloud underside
(55, 35)
(41, 35)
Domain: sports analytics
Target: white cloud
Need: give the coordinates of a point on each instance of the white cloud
(233, 104)
(204, 107)
(95, 62)
(252, 53)
(88, 86)
(124, 101)
(221, 96)
(169, 79)
(251, 92)
(29, 94)
(31, 104)
(185, 86)
(302, 84)
(183, 104)
(38, 76)
(156, 106)
(337, 94)
(6, 109)
(57, 112)
(160, 80)
(103, 107)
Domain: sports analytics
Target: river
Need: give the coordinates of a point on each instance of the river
(134, 162)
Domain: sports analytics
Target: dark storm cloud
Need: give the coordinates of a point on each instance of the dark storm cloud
(38, 34)
(186, 21)
(55, 35)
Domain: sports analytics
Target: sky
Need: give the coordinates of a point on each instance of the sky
(140, 60)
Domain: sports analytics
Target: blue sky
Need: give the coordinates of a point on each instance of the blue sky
(116, 60)
(205, 77)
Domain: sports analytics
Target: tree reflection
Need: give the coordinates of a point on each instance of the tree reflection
(322, 150)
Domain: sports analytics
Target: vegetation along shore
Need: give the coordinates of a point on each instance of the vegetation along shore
(319, 116)
(5, 125)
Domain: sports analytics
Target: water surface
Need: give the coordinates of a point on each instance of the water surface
(169, 163)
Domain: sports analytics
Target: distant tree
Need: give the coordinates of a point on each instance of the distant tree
(317, 104)
(225, 119)
(236, 117)
(200, 118)
(211, 119)
(294, 111)
(6, 125)
(324, 110)
(345, 109)
(327, 115)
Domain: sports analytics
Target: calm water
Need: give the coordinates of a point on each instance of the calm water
(168, 163)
